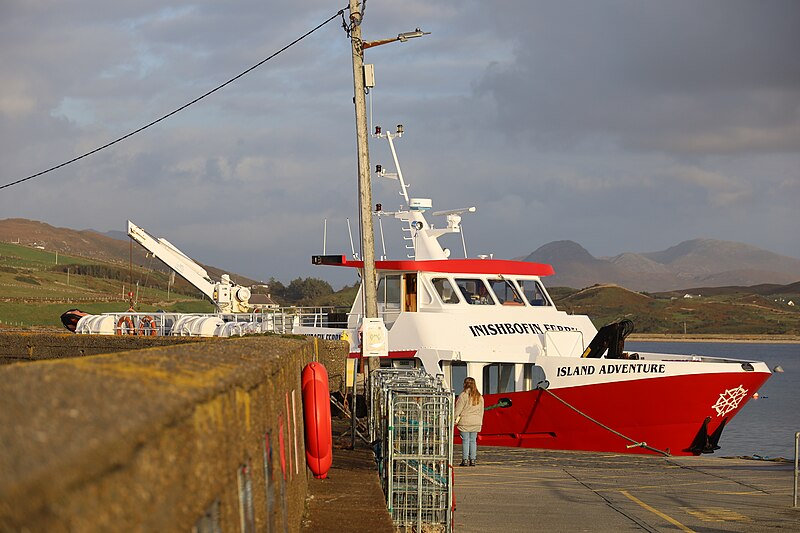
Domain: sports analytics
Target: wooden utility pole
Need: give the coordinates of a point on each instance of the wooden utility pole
(368, 276)
(364, 183)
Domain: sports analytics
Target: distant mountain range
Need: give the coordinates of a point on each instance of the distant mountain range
(694, 263)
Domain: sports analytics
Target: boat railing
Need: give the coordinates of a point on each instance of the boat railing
(692, 358)
(310, 317)
(143, 323)
(282, 320)
(277, 319)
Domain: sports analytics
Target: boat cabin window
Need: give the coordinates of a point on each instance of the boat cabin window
(389, 292)
(445, 290)
(475, 291)
(389, 298)
(498, 378)
(505, 292)
(534, 292)
(533, 376)
(458, 373)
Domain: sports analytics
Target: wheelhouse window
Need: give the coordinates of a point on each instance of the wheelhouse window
(445, 290)
(474, 291)
(498, 378)
(389, 292)
(505, 292)
(534, 293)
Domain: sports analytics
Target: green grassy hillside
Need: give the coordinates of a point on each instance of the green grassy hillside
(737, 312)
(36, 287)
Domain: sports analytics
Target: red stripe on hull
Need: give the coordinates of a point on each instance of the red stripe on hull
(666, 413)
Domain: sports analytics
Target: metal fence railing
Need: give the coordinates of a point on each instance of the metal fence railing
(279, 320)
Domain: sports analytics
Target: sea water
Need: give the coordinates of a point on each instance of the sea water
(764, 427)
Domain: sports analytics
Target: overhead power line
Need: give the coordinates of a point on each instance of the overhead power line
(181, 108)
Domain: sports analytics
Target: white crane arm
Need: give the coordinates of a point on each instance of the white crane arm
(226, 296)
(173, 258)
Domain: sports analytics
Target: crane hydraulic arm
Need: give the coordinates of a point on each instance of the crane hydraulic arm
(226, 295)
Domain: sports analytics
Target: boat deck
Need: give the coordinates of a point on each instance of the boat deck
(515, 489)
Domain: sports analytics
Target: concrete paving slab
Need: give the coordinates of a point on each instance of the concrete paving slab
(515, 489)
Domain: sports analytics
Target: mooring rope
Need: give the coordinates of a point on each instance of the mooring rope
(634, 443)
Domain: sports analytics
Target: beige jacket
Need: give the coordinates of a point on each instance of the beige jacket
(468, 417)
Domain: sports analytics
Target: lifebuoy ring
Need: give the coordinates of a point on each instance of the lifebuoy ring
(317, 417)
(147, 326)
(127, 323)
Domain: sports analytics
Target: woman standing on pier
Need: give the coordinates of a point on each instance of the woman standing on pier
(469, 419)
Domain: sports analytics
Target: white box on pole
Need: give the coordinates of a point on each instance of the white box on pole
(375, 338)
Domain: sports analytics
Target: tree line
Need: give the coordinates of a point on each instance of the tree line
(310, 291)
(154, 280)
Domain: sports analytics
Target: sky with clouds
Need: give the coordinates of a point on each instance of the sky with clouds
(623, 125)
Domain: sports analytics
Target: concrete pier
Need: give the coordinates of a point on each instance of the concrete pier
(209, 434)
(350, 498)
(204, 436)
(515, 489)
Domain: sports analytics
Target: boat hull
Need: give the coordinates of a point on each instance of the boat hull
(665, 414)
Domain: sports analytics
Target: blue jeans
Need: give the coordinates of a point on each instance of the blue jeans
(469, 445)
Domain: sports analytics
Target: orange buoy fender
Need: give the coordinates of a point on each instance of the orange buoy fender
(317, 417)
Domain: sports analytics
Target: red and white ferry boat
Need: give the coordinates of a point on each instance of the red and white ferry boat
(550, 379)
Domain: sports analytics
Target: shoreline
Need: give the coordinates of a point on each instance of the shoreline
(714, 337)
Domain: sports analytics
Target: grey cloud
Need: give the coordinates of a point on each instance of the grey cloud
(679, 76)
(622, 125)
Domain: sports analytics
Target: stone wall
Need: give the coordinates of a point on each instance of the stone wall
(22, 347)
(159, 439)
